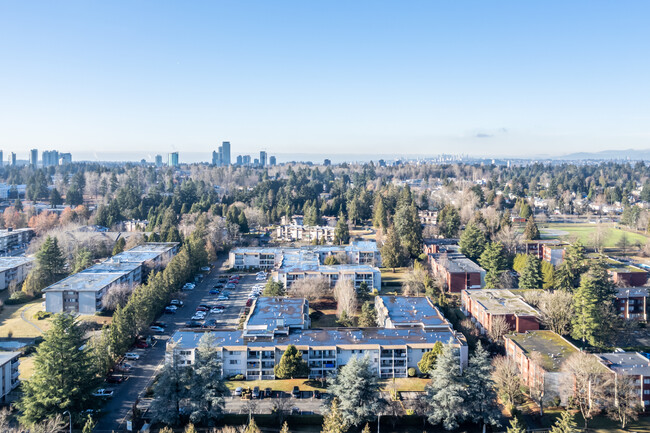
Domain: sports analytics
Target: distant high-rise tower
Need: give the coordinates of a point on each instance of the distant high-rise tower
(172, 159)
(240, 160)
(327, 162)
(246, 159)
(33, 158)
(50, 158)
(225, 153)
(13, 159)
(65, 158)
(158, 160)
(215, 157)
(272, 160)
(2, 161)
(262, 158)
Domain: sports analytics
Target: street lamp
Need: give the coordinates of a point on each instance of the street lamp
(70, 415)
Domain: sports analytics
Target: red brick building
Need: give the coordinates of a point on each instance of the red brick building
(631, 302)
(629, 276)
(458, 271)
(433, 246)
(634, 365)
(484, 305)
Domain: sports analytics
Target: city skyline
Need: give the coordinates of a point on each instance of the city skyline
(510, 79)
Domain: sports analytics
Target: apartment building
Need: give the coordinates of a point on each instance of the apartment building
(536, 247)
(484, 305)
(14, 270)
(432, 246)
(554, 253)
(632, 364)
(631, 302)
(14, 239)
(459, 272)
(539, 356)
(627, 275)
(9, 373)
(405, 312)
(83, 292)
(270, 316)
(298, 233)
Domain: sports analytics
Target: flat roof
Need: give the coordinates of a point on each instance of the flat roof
(267, 311)
(361, 246)
(8, 356)
(456, 262)
(553, 348)
(85, 282)
(7, 263)
(501, 301)
(134, 256)
(155, 247)
(412, 310)
(631, 292)
(630, 363)
(5, 232)
(366, 337)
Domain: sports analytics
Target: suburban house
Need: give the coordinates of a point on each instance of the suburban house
(458, 271)
(255, 350)
(630, 364)
(631, 302)
(404, 312)
(539, 356)
(9, 370)
(483, 305)
(14, 270)
(13, 239)
(83, 292)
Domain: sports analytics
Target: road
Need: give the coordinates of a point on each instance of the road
(144, 370)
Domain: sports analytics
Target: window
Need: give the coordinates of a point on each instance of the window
(646, 391)
(234, 361)
(646, 381)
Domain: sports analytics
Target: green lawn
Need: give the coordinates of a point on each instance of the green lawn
(586, 232)
(285, 385)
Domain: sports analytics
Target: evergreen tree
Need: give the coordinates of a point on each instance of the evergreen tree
(356, 387)
(531, 232)
(242, 221)
(392, 252)
(274, 288)
(291, 364)
(341, 231)
(379, 218)
(548, 275)
(516, 426)
(333, 421)
(494, 262)
(64, 375)
(50, 262)
(472, 241)
(448, 221)
(55, 198)
(407, 224)
(168, 391)
(368, 317)
(172, 235)
(481, 397)
(206, 388)
(119, 246)
(585, 307)
(428, 361)
(82, 260)
(18, 205)
(531, 274)
(445, 394)
(565, 424)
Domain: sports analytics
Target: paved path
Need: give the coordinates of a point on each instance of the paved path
(22, 316)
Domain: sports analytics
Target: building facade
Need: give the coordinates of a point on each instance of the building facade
(458, 272)
(9, 373)
(14, 239)
(484, 305)
(14, 270)
(296, 233)
(631, 302)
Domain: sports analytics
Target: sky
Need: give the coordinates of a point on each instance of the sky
(484, 78)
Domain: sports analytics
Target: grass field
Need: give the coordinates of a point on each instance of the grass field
(402, 384)
(13, 324)
(26, 367)
(586, 232)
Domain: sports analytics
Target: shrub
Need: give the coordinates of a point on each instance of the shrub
(412, 372)
(237, 377)
(18, 298)
(42, 315)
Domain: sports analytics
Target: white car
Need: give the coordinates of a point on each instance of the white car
(205, 269)
(157, 329)
(216, 311)
(131, 356)
(176, 302)
(189, 286)
(172, 307)
(198, 316)
(103, 393)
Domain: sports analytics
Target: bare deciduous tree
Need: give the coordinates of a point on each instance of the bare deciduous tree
(626, 400)
(310, 288)
(414, 282)
(536, 384)
(509, 238)
(498, 328)
(117, 295)
(587, 380)
(506, 379)
(557, 310)
(346, 298)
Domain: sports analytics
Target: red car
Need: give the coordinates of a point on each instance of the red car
(249, 302)
(141, 345)
(201, 308)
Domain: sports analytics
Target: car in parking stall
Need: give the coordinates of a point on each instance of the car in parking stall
(131, 356)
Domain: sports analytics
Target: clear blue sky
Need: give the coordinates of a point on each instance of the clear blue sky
(407, 77)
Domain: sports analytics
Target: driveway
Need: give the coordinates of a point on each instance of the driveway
(144, 370)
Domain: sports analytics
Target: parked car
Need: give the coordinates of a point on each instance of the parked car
(210, 323)
(222, 297)
(238, 391)
(192, 324)
(296, 392)
(176, 302)
(256, 392)
(214, 291)
(202, 308)
(295, 410)
(249, 302)
(205, 269)
(317, 394)
(170, 310)
(131, 356)
(230, 286)
(114, 379)
(268, 392)
(161, 324)
(172, 307)
(157, 329)
(141, 344)
(103, 393)
(198, 316)
(216, 310)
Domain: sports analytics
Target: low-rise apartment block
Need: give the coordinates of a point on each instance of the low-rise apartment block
(14, 270)
(627, 275)
(83, 292)
(404, 312)
(631, 302)
(255, 350)
(634, 365)
(459, 272)
(14, 239)
(554, 253)
(432, 246)
(539, 356)
(484, 305)
(298, 233)
(9, 373)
